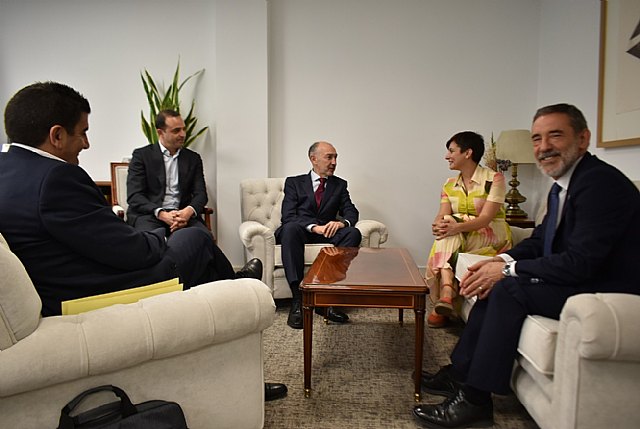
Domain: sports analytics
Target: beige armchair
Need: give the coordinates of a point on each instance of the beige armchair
(260, 207)
(201, 348)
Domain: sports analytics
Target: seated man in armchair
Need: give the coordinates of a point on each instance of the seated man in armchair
(316, 209)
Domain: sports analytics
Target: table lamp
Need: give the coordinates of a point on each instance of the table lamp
(516, 146)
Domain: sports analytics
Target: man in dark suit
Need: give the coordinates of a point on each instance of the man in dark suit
(58, 223)
(316, 209)
(165, 183)
(589, 243)
(166, 188)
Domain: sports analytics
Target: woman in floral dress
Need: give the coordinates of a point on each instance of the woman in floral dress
(471, 219)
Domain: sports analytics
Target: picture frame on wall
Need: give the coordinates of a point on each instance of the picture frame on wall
(619, 74)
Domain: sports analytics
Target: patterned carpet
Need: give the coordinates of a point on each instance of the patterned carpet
(361, 373)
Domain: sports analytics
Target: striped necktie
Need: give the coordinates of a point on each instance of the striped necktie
(553, 204)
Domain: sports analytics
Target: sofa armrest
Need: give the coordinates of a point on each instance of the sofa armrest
(65, 348)
(259, 242)
(606, 325)
(374, 233)
(250, 230)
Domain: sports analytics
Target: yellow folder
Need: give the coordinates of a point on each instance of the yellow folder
(126, 296)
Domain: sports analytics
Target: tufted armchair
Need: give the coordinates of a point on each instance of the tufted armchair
(260, 207)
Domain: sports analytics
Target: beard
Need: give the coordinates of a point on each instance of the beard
(566, 161)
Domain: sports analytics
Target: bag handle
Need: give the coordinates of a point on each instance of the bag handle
(126, 407)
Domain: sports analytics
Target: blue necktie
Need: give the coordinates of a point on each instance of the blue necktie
(552, 217)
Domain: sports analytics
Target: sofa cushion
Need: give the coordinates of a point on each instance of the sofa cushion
(310, 253)
(20, 304)
(538, 342)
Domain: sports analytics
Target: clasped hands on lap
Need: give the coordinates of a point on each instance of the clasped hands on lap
(176, 219)
(444, 227)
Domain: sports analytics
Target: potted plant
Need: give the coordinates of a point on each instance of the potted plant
(168, 99)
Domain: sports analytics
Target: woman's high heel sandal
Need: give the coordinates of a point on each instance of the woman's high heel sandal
(444, 306)
(436, 321)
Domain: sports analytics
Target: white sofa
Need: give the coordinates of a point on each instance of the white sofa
(582, 371)
(261, 209)
(201, 348)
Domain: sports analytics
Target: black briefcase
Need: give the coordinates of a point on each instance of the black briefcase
(122, 414)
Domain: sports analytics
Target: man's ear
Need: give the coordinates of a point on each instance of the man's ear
(57, 133)
(585, 138)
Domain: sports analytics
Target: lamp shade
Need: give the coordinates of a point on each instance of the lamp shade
(516, 146)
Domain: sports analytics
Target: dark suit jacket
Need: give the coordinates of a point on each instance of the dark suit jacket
(299, 203)
(72, 245)
(597, 242)
(146, 182)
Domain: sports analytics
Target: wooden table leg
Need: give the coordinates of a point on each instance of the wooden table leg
(308, 340)
(401, 317)
(419, 347)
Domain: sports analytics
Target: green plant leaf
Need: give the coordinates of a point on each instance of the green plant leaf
(168, 99)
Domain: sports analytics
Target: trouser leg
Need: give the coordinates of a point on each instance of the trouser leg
(197, 257)
(292, 238)
(345, 237)
(484, 355)
(149, 223)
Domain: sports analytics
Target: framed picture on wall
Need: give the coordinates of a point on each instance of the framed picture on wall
(619, 79)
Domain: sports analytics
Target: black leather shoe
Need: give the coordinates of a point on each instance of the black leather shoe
(274, 391)
(251, 270)
(332, 314)
(441, 383)
(295, 315)
(455, 412)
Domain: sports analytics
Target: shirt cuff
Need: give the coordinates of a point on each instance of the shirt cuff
(512, 263)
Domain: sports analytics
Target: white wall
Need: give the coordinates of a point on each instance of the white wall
(242, 114)
(569, 40)
(388, 81)
(100, 48)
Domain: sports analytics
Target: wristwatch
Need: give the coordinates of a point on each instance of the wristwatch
(506, 270)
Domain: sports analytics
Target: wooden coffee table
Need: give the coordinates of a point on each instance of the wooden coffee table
(363, 277)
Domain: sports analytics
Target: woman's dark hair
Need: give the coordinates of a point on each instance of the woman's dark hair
(35, 109)
(469, 140)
